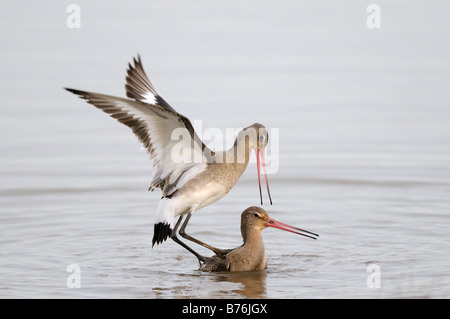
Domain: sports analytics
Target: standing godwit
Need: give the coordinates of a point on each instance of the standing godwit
(252, 254)
(190, 175)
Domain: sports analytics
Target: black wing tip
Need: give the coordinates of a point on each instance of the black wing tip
(161, 233)
(137, 83)
(80, 93)
(72, 90)
(137, 63)
(138, 60)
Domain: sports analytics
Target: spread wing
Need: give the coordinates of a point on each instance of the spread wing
(140, 88)
(177, 152)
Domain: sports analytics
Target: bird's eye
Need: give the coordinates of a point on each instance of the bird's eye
(261, 137)
(256, 215)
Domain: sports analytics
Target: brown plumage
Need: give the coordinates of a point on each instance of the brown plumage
(251, 255)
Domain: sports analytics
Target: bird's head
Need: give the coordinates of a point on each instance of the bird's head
(257, 218)
(256, 137)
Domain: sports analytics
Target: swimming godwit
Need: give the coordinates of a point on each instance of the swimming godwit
(190, 175)
(251, 255)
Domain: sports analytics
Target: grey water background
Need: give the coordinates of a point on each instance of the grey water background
(364, 146)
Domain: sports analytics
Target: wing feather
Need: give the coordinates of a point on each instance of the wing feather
(153, 125)
(139, 87)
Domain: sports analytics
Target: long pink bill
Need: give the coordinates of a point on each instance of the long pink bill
(259, 177)
(258, 154)
(265, 175)
(276, 224)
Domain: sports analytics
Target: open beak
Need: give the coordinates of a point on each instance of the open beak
(259, 153)
(276, 224)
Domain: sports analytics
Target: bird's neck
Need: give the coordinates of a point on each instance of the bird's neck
(254, 248)
(240, 152)
(232, 163)
(252, 238)
(238, 156)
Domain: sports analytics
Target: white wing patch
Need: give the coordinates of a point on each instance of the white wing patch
(139, 87)
(149, 98)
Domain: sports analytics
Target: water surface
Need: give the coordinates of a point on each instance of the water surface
(364, 146)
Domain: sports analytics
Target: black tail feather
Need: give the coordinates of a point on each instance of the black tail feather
(161, 232)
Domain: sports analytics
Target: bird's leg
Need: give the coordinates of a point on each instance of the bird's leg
(217, 251)
(175, 239)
